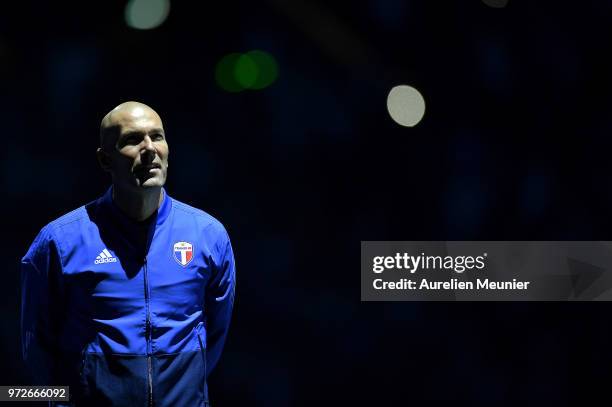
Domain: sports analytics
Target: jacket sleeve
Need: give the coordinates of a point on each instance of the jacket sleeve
(219, 302)
(39, 323)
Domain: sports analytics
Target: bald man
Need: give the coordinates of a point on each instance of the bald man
(128, 299)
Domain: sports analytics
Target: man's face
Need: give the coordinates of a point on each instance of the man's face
(140, 154)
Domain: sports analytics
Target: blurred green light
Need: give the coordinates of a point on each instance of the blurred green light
(146, 14)
(254, 70)
(268, 69)
(246, 71)
(225, 73)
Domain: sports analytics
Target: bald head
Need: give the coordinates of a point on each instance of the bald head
(133, 147)
(126, 117)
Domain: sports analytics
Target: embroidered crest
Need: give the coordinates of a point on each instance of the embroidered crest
(183, 253)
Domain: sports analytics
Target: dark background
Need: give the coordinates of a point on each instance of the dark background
(514, 145)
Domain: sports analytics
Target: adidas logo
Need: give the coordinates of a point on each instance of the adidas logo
(105, 257)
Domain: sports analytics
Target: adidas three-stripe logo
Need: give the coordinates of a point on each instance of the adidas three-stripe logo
(105, 257)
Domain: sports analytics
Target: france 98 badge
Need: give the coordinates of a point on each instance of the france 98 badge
(183, 253)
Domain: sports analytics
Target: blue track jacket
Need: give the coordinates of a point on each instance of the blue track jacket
(127, 313)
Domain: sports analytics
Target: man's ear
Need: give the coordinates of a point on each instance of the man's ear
(104, 159)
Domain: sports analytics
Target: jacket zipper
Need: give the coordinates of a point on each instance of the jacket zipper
(148, 334)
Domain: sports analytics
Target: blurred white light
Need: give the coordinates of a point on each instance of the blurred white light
(406, 105)
(146, 14)
(496, 3)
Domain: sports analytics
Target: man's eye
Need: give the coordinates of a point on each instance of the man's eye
(157, 137)
(132, 140)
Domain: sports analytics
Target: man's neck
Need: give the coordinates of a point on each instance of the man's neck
(138, 205)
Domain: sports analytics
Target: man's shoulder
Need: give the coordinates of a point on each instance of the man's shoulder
(70, 220)
(202, 218)
(59, 230)
(73, 216)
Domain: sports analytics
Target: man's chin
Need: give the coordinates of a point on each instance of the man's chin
(153, 182)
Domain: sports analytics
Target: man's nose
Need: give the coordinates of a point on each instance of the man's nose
(148, 149)
(148, 144)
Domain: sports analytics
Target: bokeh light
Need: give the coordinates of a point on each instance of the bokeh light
(146, 14)
(225, 73)
(246, 71)
(406, 105)
(268, 69)
(496, 3)
(252, 70)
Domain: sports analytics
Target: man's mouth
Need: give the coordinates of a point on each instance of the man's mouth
(147, 167)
